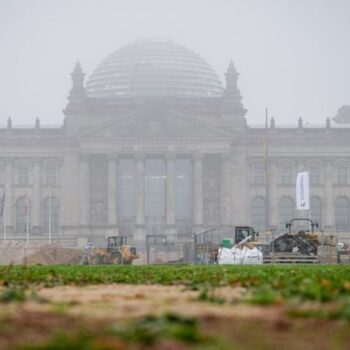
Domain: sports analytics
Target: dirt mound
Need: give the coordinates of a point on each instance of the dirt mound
(13, 252)
(18, 253)
(54, 255)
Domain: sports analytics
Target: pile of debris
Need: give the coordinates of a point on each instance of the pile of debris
(301, 242)
(54, 255)
(13, 252)
(18, 253)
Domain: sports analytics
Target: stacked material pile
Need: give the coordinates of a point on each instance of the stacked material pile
(54, 255)
(300, 242)
(18, 253)
(13, 252)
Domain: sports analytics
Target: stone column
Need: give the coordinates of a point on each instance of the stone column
(9, 204)
(112, 193)
(226, 190)
(140, 197)
(84, 192)
(198, 191)
(273, 194)
(170, 193)
(36, 199)
(240, 189)
(328, 205)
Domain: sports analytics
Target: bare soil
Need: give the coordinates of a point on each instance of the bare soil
(71, 309)
(20, 253)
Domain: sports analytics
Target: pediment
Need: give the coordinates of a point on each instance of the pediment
(158, 124)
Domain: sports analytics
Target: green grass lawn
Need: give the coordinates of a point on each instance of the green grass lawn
(301, 296)
(268, 284)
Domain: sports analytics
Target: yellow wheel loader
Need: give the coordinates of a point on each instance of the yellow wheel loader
(116, 252)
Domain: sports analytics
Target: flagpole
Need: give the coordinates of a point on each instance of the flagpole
(266, 155)
(4, 213)
(27, 217)
(50, 214)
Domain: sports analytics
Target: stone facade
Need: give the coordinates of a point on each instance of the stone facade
(145, 164)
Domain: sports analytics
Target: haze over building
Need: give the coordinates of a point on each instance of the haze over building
(154, 143)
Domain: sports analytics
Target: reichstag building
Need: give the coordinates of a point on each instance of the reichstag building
(155, 143)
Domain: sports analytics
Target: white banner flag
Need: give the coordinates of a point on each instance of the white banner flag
(303, 191)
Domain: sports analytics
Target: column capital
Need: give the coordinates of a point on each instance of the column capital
(140, 156)
(36, 160)
(9, 160)
(330, 161)
(197, 156)
(170, 156)
(112, 157)
(226, 157)
(84, 157)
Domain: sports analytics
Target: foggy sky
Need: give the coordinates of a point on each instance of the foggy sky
(292, 55)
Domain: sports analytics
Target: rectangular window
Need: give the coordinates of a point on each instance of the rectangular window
(286, 176)
(23, 176)
(51, 176)
(315, 176)
(259, 175)
(2, 175)
(342, 175)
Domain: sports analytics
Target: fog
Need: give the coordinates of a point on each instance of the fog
(292, 56)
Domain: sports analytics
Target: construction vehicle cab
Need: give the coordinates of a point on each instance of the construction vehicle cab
(299, 243)
(291, 223)
(245, 233)
(117, 251)
(120, 251)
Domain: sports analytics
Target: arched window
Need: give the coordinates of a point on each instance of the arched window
(342, 214)
(316, 210)
(51, 215)
(23, 215)
(258, 213)
(286, 210)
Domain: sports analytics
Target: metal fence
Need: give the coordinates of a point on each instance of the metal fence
(191, 248)
(170, 248)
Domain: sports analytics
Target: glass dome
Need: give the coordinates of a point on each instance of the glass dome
(154, 68)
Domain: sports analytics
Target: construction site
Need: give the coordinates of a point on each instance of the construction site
(301, 243)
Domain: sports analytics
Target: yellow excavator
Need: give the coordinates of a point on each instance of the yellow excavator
(117, 252)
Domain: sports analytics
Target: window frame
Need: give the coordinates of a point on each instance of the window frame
(286, 177)
(23, 179)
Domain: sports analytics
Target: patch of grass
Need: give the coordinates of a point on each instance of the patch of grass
(145, 332)
(264, 295)
(265, 284)
(12, 294)
(342, 312)
(151, 329)
(59, 308)
(208, 295)
(62, 341)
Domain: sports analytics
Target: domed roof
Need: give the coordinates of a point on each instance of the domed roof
(154, 68)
